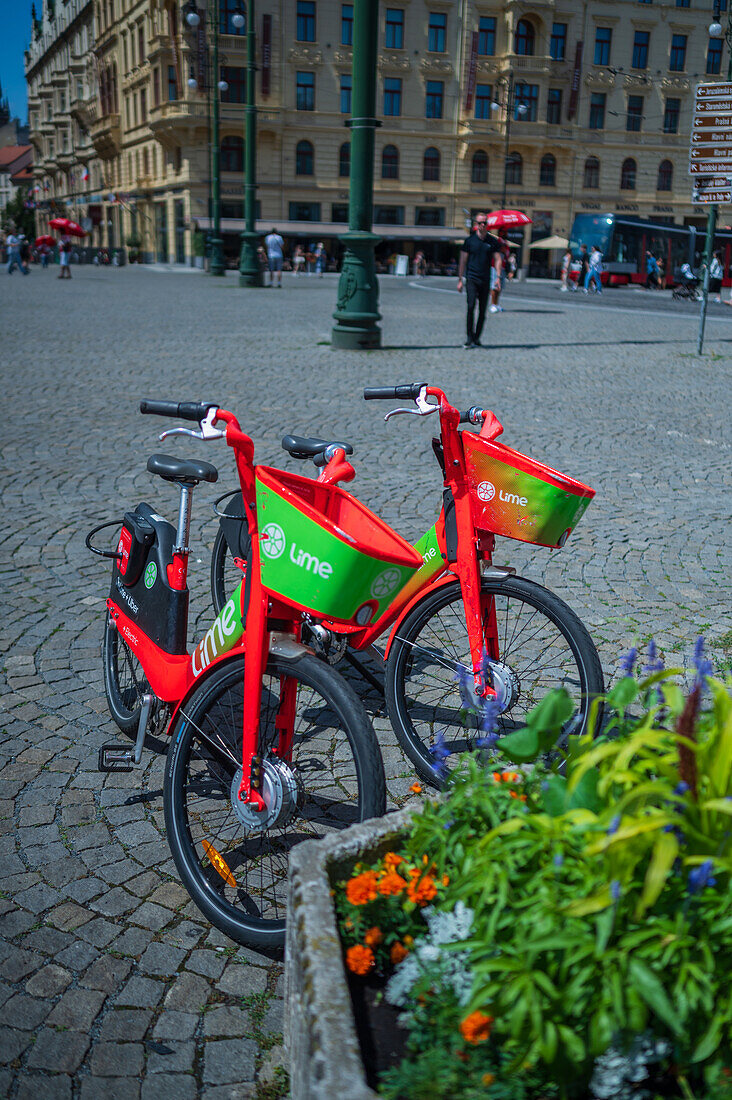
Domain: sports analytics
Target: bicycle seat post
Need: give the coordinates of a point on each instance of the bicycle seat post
(184, 519)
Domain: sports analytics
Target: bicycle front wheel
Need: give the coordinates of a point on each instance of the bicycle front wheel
(125, 682)
(232, 861)
(542, 645)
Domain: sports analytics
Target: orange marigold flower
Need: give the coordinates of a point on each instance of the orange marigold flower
(398, 952)
(348, 923)
(476, 1027)
(392, 860)
(359, 959)
(514, 794)
(390, 885)
(497, 777)
(408, 941)
(445, 880)
(416, 788)
(373, 936)
(488, 1078)
(522, 797)
(422, 892)
(509, 777)
(362, 888)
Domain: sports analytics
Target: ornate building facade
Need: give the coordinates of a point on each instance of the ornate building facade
(556, 107)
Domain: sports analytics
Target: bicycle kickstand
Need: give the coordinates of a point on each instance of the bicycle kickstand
(115, 757)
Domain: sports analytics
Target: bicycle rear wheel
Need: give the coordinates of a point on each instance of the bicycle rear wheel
(234, 862)
(542, 643)
(125, 682)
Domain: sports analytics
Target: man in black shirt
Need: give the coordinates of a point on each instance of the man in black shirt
(478, 256)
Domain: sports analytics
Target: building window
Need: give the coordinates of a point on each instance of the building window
(394, 34)
(304, 212)
(592, 173)
(429, 215)
(682, 3)
(346, 84)
(671, 116)
(140, 43)
(558, 41)
(634, 116)
(431, 164)
(232, 154)
(433, 103)
(483, 100)
(304, 159)
(390, 163)
(306, 20)
(487, 36)
(554, 106)
(597, 111)
(527, 95)
(305, 92)
(677, 60)
(479, 167)
(172, 83)
(344, 159)
(393, 96)
(627, 175)
(227, 9)
(714, 56)
(603, 41)
(525, 38)
(346, 24)
(339, 212)
(640, 49)
(143, 105)
(665, 176)
(548, 171)
(156, 87)
(389, 215)
(236, 78)
(436, 32)
(514, 169)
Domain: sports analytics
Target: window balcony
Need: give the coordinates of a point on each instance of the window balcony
(106, 135)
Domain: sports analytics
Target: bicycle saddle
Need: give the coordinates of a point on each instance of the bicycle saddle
(181, 470)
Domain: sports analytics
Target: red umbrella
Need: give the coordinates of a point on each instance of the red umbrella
(499, 219)
(45, 239)
(65, 225)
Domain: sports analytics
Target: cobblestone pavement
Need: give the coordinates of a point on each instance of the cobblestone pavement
(111, 983)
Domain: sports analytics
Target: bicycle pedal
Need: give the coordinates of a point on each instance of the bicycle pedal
(115, 758)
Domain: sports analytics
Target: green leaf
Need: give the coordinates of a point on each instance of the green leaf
(584, 794)
(552, 712)
(593, 904)
(708, 1042)
(554, 795)
(521, 747)
(550, 1042)
(623, 694)
(649, 987)
(664, 853)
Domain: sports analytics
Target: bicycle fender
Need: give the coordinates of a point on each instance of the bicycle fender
(440, 582)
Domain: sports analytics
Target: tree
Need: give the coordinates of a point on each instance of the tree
(18, 214)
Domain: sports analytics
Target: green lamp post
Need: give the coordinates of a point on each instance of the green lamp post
(357, 313)
(250, 272)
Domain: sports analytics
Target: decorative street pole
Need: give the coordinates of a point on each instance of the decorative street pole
(715, 31)
(511, 106)
(250, 271)
(193, 19)
(357, 313)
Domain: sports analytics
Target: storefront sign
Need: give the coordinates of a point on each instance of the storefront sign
(471, 69)
(266, 52)
(576, 81)
(202, 55)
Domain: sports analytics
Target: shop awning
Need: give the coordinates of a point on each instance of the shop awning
(313, 230)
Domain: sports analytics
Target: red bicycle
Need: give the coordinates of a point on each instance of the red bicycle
(461, 632)
(269, 745)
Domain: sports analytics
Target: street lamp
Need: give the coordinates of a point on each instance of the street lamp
(512, 105)
(250, 272)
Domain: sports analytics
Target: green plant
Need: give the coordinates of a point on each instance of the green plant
(199, 243)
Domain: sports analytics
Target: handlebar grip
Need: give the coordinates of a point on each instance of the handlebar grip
(181, 410)
(391, 393)
(465, 417)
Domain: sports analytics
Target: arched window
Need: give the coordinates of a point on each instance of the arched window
(548, 171)
(390, 163)
(627, 175)
(479, 170)
(592, 172)
(344, 159)
(665, 176)
(514, 168)
(524, 40)
(304, 158)
(232, 154)
(431, 165)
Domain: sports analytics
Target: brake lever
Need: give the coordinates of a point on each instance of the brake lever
(207, 428)
(424, 408)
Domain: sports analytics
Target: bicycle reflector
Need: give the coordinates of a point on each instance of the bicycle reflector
(218, 863)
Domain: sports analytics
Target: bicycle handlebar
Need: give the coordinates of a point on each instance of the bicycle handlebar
(183, 410)
(391, 393)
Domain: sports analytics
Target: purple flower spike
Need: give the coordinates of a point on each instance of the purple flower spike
(627, 663)
(558, 861)
(614, 825)
(654, 663)
(701, 876)
(615, 889)
(704, 666)
(440, 752)
(681, 788)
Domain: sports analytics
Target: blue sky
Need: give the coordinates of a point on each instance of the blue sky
(15, 35)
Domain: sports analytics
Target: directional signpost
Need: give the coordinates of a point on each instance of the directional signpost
(710, 164)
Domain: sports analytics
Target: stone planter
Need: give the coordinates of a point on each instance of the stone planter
(320, 1035)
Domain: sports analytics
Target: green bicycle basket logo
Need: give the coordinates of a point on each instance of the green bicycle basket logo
(385, 583)
(273, 540)
(151, 574)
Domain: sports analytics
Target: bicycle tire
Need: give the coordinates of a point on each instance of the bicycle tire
(124, 680)
(412, 679)
(225, 576)
(335, 749)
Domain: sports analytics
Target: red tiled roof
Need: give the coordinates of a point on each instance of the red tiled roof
(10, 153)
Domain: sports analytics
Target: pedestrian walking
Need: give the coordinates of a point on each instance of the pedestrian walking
(44, 252)
(584, 266)
(661, 272)
(566, 262)
(320, 259)
(14, 260)
(275, 246)
(512, 266)
(65, 258)
(653, 275)
(500, 270)
(298, 258)
(476, 258)
(594, 270)
(716, 271)
(420, 265)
